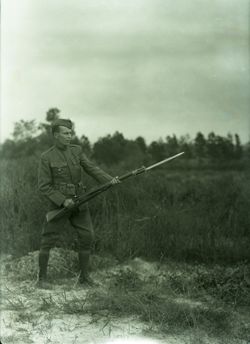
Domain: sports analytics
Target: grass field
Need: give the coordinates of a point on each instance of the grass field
(183, 215)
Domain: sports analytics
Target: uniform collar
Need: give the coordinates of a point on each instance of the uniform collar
(61, 147)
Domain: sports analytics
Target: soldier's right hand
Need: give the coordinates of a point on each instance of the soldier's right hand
(68, 203)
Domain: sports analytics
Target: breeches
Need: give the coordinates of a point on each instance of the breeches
(80, 220)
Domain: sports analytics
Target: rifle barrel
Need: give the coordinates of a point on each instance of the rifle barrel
(54, 214)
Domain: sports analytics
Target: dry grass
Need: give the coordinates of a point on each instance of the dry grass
(166, 298)
(184, 215)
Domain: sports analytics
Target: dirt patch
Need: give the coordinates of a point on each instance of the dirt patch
(138, 302)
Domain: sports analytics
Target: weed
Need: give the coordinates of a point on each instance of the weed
(154, 304)
(15, 304)
(47, 304)
(168, 315)
(76, 305)
(228, 284)
(126, 279)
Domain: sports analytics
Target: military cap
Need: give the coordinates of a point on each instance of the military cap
(62, 122)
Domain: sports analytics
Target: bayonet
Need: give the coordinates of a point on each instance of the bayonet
(57, 213)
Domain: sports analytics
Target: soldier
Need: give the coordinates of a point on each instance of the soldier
(60, 179)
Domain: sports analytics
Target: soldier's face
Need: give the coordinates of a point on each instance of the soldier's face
(63, 136)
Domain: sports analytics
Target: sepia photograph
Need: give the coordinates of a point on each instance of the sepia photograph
(125, 172)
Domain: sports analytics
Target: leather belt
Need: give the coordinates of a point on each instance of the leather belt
(70, 189)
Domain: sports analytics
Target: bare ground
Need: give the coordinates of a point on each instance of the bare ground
(67, 313)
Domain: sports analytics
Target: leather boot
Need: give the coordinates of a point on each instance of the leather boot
(42, 274)
(84, 278)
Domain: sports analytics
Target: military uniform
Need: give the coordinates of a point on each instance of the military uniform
(61, 177)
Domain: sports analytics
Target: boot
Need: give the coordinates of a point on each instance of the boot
(84, 278)
(42, 274)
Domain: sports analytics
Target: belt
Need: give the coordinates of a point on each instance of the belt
(70, 189)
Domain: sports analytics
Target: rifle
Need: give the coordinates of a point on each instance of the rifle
(78, 200)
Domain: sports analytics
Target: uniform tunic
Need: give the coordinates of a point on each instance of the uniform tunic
(61, 176)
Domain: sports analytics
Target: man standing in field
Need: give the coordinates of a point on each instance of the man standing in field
(60, 179)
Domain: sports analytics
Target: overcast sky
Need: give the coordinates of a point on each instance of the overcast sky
(142, 67)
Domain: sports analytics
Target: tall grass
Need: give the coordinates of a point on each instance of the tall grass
(185, 215)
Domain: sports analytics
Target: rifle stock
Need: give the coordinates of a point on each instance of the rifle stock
(57, 213)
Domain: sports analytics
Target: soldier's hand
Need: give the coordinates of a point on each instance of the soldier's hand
(115, 180)
(68, 203)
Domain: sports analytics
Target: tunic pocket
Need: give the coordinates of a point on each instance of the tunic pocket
(59, 168)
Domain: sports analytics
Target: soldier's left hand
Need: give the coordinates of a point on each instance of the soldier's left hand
(115, 180)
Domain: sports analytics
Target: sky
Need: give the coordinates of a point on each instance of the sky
(141, 67)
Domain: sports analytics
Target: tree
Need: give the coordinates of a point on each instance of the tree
(157, 149)
(211, 146)
(247, 151)
(85, 144)
(220, 148)
(52, 114)
(200, 144)
(185, 145)
(141, 143)
(25, 130)
(24, 140)
(110, 149)
(238, 150)
(172, 145)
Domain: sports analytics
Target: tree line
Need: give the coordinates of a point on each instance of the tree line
(30, 138)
